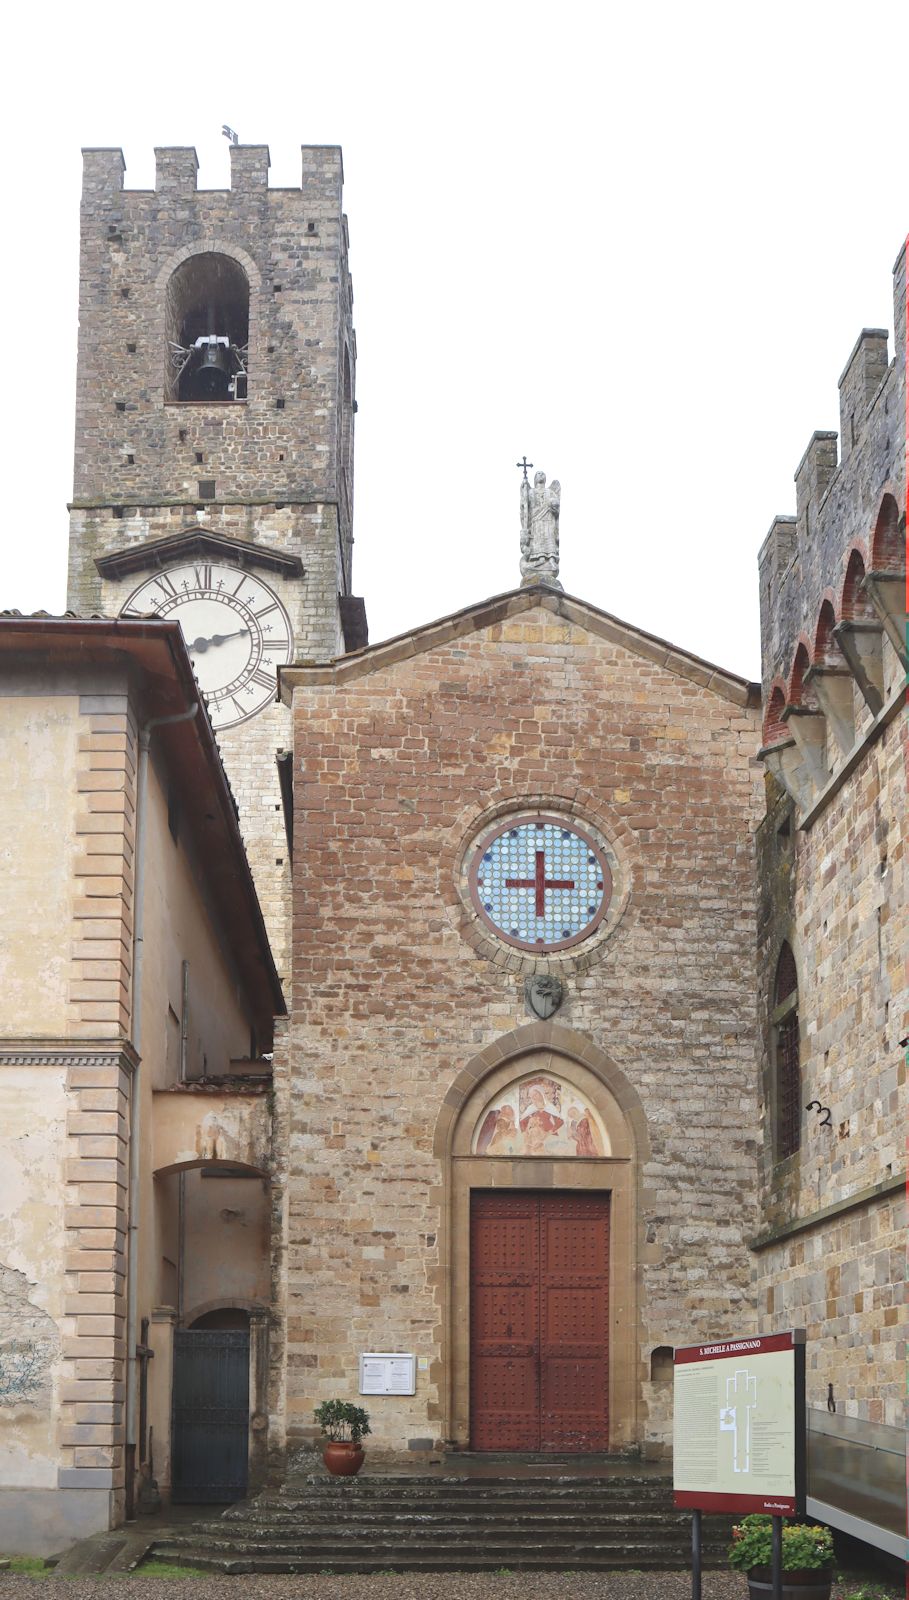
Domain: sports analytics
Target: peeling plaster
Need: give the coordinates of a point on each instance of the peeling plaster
(28, 1345)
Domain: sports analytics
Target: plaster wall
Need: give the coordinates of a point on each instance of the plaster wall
(38, 848)
(226, 1243)
(66, 1066)
(32, 1195)
(180, 925)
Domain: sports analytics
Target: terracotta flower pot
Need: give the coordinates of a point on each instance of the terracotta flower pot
(806, 1584)
(342, 1458)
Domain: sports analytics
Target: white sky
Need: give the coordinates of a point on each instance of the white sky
(636, 242)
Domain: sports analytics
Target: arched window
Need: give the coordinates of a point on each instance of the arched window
(207, 330)
(785, 1018)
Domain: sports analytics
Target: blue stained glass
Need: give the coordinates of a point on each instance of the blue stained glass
(541, 883)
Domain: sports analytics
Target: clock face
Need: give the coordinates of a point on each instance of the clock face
(540, 883)
(236, 630)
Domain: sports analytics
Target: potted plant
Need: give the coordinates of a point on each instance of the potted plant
(343, 1426)
(807, 1558)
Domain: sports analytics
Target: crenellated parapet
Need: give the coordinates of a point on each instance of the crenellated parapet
(177, 171)
(832, 578)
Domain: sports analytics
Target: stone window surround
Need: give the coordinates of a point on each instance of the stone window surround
(586, 811)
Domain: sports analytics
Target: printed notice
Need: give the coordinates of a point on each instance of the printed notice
(734, 1425)
(387, 1373)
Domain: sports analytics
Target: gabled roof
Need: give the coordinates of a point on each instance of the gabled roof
(196, 543)
(513, 604)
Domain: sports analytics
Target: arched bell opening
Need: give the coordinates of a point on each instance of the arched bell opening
(207, 330)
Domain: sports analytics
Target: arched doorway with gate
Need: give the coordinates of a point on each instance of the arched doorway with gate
(208, 1378)
(211, 1407)
(542, 1140)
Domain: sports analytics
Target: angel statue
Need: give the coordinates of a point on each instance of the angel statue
(540, 531)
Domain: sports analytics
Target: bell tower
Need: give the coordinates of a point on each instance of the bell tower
(213, 477)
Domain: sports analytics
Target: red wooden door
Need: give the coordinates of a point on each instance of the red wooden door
(539, 1321)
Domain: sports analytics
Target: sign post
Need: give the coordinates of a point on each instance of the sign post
(739, 1434)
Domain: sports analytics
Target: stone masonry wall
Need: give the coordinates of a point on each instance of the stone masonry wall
(841, 903)
(292, 245)
(833, 883)
(393, 772)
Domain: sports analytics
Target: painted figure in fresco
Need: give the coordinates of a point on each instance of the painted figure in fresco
(506, 1140)
(539, 1124)
(499, 1135)
(583, 1130)
(531, 1122)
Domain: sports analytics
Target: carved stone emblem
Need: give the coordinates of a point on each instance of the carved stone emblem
(544, 995)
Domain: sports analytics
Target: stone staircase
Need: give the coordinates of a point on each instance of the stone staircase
(444, 1523)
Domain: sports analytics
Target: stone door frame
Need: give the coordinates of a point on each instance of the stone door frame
(541, 1047)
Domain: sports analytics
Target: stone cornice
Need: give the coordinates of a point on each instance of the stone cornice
(852, 1202)
(68, 1053)
(199, 543)
(501, 608)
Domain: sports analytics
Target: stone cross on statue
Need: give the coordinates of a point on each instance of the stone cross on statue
(540, 530)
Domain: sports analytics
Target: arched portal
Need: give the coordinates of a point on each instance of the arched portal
(544, 1120)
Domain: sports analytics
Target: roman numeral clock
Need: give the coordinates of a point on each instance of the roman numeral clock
(236, 630)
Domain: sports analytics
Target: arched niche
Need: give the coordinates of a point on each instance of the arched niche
(542, 1051)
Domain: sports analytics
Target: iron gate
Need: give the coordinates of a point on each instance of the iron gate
(210, 1431)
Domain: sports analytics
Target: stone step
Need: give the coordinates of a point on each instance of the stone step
(639, 1558)
(236, 1527)
(461, 1506)
(365, 1485)
(404, 1523)
(214, 1538)
(339, 1490)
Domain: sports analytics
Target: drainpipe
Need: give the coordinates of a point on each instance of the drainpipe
(135, 1101)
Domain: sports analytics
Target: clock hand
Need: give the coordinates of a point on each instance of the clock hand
(203, 644)
(222, 638)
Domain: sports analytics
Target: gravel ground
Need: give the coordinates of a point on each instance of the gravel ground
(403, 1586)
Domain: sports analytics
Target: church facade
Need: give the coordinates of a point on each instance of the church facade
(593, 951)
(536, 729)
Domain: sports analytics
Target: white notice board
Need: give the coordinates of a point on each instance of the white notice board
(739, 1425)
(387, 1372)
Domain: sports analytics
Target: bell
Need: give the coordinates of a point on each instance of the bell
(211, 378)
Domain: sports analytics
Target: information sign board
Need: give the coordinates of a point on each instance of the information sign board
(739, 1425)
(387, 1372)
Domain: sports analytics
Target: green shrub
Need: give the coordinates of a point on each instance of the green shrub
(805, 1548)
(339, 1420)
